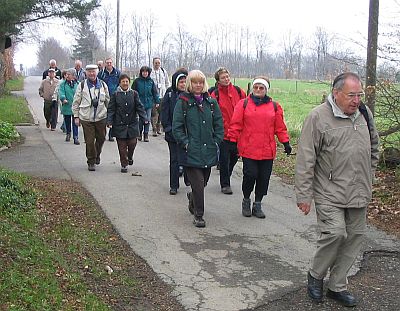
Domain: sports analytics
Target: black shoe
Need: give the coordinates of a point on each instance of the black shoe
(97, 161)
(345, 298)
(91, 167)
(173, 191)
(246, 209)
(226, 190)
(256, 211)
(130, 162)
(199, 222)
(124, 169)
(68, 137)
(314, 288)
(110, 139)
(76, 141)
(190, 205)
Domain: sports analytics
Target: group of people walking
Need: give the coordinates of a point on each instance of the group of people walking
(336, 161)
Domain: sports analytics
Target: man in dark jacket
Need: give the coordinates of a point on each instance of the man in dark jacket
(52, 65)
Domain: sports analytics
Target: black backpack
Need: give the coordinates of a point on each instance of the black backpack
(363, 110)
(246, 100)
(215, 90)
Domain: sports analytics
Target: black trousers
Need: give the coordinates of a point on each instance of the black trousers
(173, 165)
(198, 178)
(256, 172)
(227, 161)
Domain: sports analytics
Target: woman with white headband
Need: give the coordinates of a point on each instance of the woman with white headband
(255, 123)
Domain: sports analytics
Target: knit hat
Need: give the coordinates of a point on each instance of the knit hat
(180, 77)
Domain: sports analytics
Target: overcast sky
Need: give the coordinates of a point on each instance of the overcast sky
(346, 18)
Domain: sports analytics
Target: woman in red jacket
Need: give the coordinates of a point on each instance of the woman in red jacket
(255, 122)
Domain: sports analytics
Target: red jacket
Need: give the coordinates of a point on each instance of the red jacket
(254, 129)
(227, 98)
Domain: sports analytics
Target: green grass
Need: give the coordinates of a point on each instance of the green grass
(14, 109)
(16, 84)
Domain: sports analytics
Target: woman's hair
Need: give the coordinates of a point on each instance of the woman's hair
(144, 68)
(196, 75)
(123, 76)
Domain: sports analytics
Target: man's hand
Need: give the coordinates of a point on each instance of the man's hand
(109, 126)
(77, 122)
(304, 207)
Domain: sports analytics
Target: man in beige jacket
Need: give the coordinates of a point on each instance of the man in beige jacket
(90, 109)
(336, 161)
(46, 91)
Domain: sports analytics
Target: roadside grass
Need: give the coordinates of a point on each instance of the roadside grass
(58, 251)
(14, 110)
(16, 84)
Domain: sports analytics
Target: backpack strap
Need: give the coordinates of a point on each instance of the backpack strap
(246, 100)
(363, 110)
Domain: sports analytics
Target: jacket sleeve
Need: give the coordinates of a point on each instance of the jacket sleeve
(111, 109)
(107, 95)
(139, 107)
(61, 91)
(166, 121)
(154, 91)
(280, 126)
(218, 124)
(41, 88)
(77, 101)
(374, 142)
(307, 152)
(236, 125)
(178, 125)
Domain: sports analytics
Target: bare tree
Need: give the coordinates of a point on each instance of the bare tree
(105, 16)
(137, 31)
(52, 49)
(321, 48)
(291, 48)
(149, 22)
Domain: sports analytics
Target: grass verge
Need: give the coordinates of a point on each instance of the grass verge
(59, 252)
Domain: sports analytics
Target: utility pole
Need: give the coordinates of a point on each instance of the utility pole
(117, 64)
(370, 81)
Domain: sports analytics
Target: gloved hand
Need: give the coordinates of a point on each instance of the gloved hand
(232, 147)
(288, 148)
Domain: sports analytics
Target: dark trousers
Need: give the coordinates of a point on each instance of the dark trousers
(126, 148)
(173, 165)
(95, 135)
(50, 110)
(227, 161)
(68, 120)
(198, 178)
(256, 172)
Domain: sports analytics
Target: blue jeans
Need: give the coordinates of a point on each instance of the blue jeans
(146, 126)
(68, 120)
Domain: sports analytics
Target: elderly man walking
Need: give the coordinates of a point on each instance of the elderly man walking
(47, 92)
(90, 109)
(336, 162)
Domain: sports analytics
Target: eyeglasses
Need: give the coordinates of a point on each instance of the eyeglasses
(355, 95)
(261, 88)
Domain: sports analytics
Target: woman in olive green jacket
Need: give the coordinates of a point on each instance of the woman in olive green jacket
(197, 127)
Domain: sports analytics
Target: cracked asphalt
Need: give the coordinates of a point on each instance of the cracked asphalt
(235, 263)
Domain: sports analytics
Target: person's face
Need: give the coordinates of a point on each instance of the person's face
(350, 96)
(109, 64)
(224, 79)
(181, 84)
(124, 84)
(100, 65)
(52, 65)
(197, 86)
(52, 74)
(91, 74)
(259, 90)
(156, 64)
(145, 74)
(69, 76)
(78, 66)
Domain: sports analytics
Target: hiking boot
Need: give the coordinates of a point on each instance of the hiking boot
(130, 162)
(47, 124)
(97, 161)
(226, 190)
(173, 191)
(111, 139)
(345, 298)
(257, 210)
(314, 288)
(246, 210)
(191, 204)
(140, 137)
(155, 134)
(199, 222)
(124, 169)
(68, 137)
(146, 137)
(76, 141)
(91, 167)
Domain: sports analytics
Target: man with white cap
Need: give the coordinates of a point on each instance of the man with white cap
(46, 91)
(90, 109)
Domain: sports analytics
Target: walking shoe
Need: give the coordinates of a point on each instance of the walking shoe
(47, 124)
(52, 129)
(345, 298)
(246, 210)
(146, 137)
(124, 169)
(226, 190)
(97, 161)
(256, 211)
(76, 141)
(173, 191)
(199, 222)
(68, 137)
(130, 162)
(111, 139)
(155, 134)
(62, 128)
(139, 137)
(91, 167)
(314, 288)
(191, 204)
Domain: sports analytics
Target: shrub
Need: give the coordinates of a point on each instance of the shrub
(8, 133)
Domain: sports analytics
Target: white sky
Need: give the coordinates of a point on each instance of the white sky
(346, 18)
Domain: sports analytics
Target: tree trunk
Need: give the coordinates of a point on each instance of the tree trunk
(370, 83)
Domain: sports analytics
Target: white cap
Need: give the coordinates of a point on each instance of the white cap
(91, 67)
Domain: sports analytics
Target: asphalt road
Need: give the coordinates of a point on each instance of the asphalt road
(235, 263)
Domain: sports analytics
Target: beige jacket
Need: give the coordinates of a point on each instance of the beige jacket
(47, 88)
(82, 106)
(336, 158)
